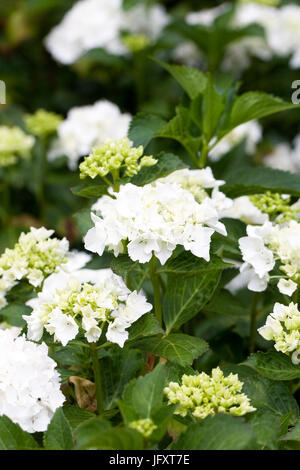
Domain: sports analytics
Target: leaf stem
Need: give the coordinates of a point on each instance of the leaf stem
(204, 154)
(253, 316)
(97, 378)
(154, 277)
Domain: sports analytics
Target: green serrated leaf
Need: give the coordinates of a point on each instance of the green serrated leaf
(145, 326)
(13, 313)
(12, 437)
(220, 432)
(116, 371)
(84, 221)
(116, 439)
(274, 365)
(89, 430)
(75, 415)
(143, 128)
(167, 163)
(133, 272)
(179, 348)
(258, 180)
(186, 264)
(58, 435)
(90, 190)
(192, 80)
(255, 105)
(186, 297)
(266, 427)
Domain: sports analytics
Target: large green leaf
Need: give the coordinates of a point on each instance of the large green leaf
(167, 163)
(186, 297)
(255, 105)
(212, 108)
(133, 272)
(274, 365)
(12, 437)
(13, 313)
(89, 430)
(145, 395)
(266, 427)
(117, 370)
(96, 188)
(220, 432)
(116, 439)
(145, 326)
(192, 80)
(84, 221)
(179, 348)
(143, 128)
(293, 434)
(75, 415)
(258, 180)
(58, 435)
(186, 264)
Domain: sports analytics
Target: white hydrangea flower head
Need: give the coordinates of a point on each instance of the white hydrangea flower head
(153, 219)
(201, 395)
(202, 184)
(283, 327)
(86, 127)
(87, 299)
(34, 257)
(98, 23)
(268, 243)
(29, 383)
(251, 132)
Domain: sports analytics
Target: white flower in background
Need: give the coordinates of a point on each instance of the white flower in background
(86, 127)
(207, 16)
(34, 257)
(285, 19)
(243, 209)
(187, 53)
(251, 132)
(283, 327)
(202, 184)
(87, 299)
(239, 53)
(29, 383)
(100, 23)
(284, 157)
(153, 219)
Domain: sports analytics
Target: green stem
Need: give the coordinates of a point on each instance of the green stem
(204, 154)
(253, 317)
(6, 203)
(97, 378)
(154, 277)
(42, 176)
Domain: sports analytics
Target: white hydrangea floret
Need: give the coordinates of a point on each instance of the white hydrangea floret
(29, 383)
(86, 299)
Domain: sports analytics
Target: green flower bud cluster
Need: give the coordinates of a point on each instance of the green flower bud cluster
(113, 156)
(136, 42)
(144, 426)
(34, 257)
(202, 395)
(42, 123)
(277, 206)
(14, 143)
